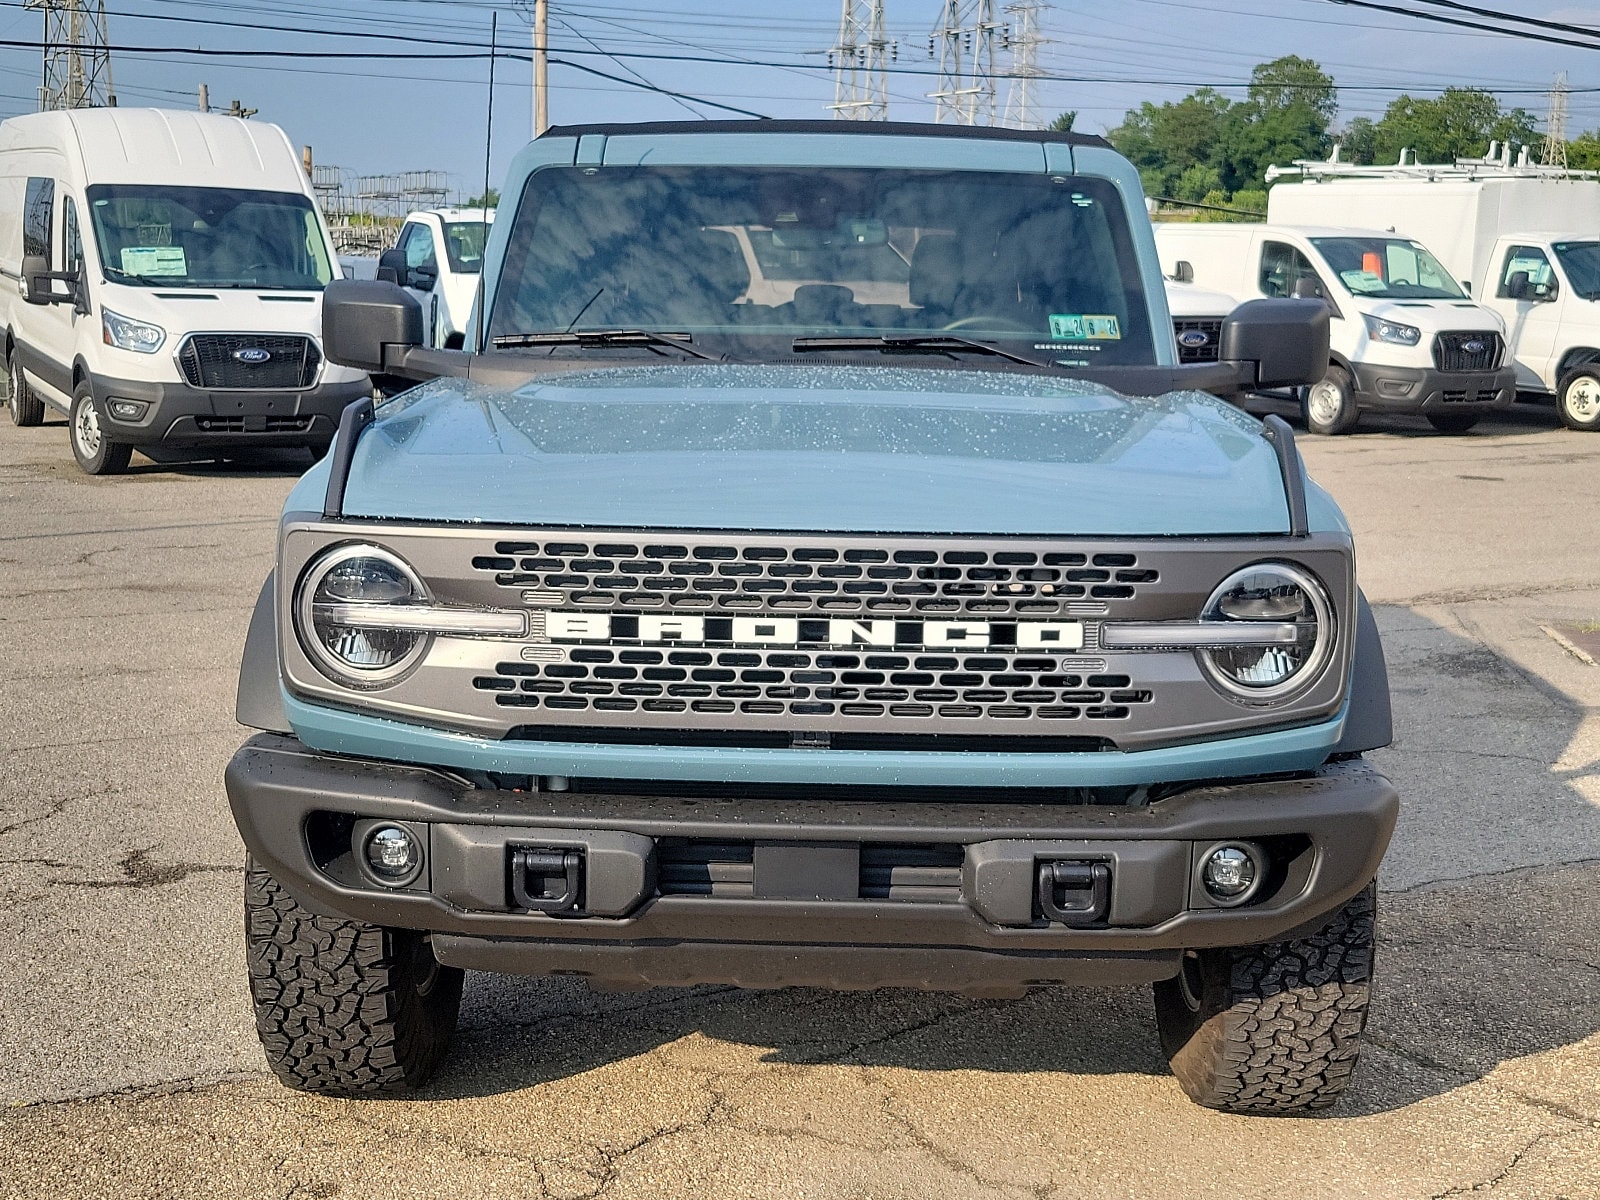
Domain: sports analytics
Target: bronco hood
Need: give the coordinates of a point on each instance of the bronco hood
(809, 448)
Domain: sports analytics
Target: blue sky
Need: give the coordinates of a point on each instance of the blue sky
(391, 115)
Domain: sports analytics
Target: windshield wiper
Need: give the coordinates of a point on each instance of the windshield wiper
(937, 342)
(589, 338)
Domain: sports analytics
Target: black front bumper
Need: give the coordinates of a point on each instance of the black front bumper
(1418, 389)
(982, 931)
(176, 414)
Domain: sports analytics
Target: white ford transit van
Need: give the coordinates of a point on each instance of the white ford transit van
(1406, 337)
(161, 279)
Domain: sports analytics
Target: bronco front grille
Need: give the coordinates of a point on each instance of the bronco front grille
(1469, 351)
(771, 577)
(228, 361)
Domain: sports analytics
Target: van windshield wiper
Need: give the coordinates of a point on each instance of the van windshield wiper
(589, 338)
(936, 342)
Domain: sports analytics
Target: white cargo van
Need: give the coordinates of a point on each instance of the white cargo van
(439, 259)
(1405, 336)
(1525, 240)
(162, 283)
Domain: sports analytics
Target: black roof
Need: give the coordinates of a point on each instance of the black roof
(989, 133)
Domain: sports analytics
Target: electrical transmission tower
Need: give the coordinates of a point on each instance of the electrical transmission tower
(859, 60)
(77, 55)
(965, 39)
(1023, 40)
(1555, 126)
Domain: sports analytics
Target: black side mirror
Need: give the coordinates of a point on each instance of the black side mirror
(365, 321)
(422, 279)
(1517, 285)
(1183, 271)
(391, 266)
(1286, 341)
(1308, 287)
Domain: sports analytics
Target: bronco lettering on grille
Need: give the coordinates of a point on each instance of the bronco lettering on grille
(792, 631)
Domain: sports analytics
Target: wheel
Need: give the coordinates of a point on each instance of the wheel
(344, 1008)
(1453, 422)
(26, 408)
(1329, 405)
(1578, 400)
(96, 453)
(1272, 1029)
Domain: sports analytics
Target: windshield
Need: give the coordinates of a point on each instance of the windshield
(1581, 261)
(1388, 268)
(464, 242)
(753, 257)
(208, 237)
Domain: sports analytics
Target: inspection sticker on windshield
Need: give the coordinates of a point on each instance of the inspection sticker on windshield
(154, 260)
(1069, 327)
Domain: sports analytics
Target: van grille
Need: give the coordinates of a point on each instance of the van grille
(211, 360)
(1466, 351)
(790, 580)
(1189, 332)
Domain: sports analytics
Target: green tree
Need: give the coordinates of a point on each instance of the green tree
(1291, 80)
(1197, 182)
(1459, 123)
(1165, 140)
(1064, 122)
(1357, 141)
(1583, 151)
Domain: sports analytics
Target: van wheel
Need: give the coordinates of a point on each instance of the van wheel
(1453, 422)
(96, 453)
(1273, 1029)
(1329, 405)
(1578, 400)
(26, 408)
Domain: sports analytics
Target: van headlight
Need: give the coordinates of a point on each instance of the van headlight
(127, 334)
(1292, 601)
(340, 616)
(1392, 332)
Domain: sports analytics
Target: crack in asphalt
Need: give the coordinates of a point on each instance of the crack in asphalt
(1439, 884)
(1494, 1181)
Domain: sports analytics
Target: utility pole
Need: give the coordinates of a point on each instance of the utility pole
(238, 110)
(1024, 41)
(860, 59)
(1555, 126)
(541, 66)
(205, 98)
(77, 55)
(965, 40)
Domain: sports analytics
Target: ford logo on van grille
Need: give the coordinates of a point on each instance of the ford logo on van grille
(1193, 338)
(1474, 347)
(253, 355)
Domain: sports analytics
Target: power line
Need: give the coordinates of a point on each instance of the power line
(1439, 18)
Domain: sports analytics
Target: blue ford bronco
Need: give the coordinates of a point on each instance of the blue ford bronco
(819, 569)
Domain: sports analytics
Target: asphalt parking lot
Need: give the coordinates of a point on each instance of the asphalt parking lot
(129, 1066)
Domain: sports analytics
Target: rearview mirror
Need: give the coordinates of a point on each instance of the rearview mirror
(364, 321)
(41, 281)
(392, 266)
(1286, 341)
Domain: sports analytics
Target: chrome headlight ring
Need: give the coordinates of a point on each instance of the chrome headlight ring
(356, 655)
(1281, 672)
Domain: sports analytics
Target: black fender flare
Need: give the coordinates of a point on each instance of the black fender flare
(1370, 723)
(259, 703)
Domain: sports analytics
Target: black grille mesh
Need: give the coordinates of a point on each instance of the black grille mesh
(208, 361)
(813, 579)
(1206, 351)
(1451, 353)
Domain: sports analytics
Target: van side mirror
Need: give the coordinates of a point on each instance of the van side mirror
(1308, 287)
(1517, 285)
(41, 282)
(1466, 286)
(366, 322)
(392, 266)
(1283, 343)
(1183, 271)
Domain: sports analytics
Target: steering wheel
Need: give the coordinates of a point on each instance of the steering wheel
(984, 321)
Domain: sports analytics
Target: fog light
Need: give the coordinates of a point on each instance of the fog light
(1230, 874)
(128, 410)
(394, 856)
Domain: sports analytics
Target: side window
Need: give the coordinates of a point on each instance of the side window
(418, 245)
(1526, 275)
(38, 211)
(71, 239)
(1282, 266)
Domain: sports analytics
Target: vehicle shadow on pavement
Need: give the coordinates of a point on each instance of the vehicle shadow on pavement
(1519, 419)
(1487, 956)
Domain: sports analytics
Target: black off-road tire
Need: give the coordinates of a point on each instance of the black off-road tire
(1329, 407)
(24, 405)
(1453, 422)
(1275, 1029)
(344, 1008)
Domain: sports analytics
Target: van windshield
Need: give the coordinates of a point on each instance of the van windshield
(1388, 268)
(764, 262)
(1581, 262)
(208, 237)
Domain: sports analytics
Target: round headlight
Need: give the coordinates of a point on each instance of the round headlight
(1279, 595)
(338, 614)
